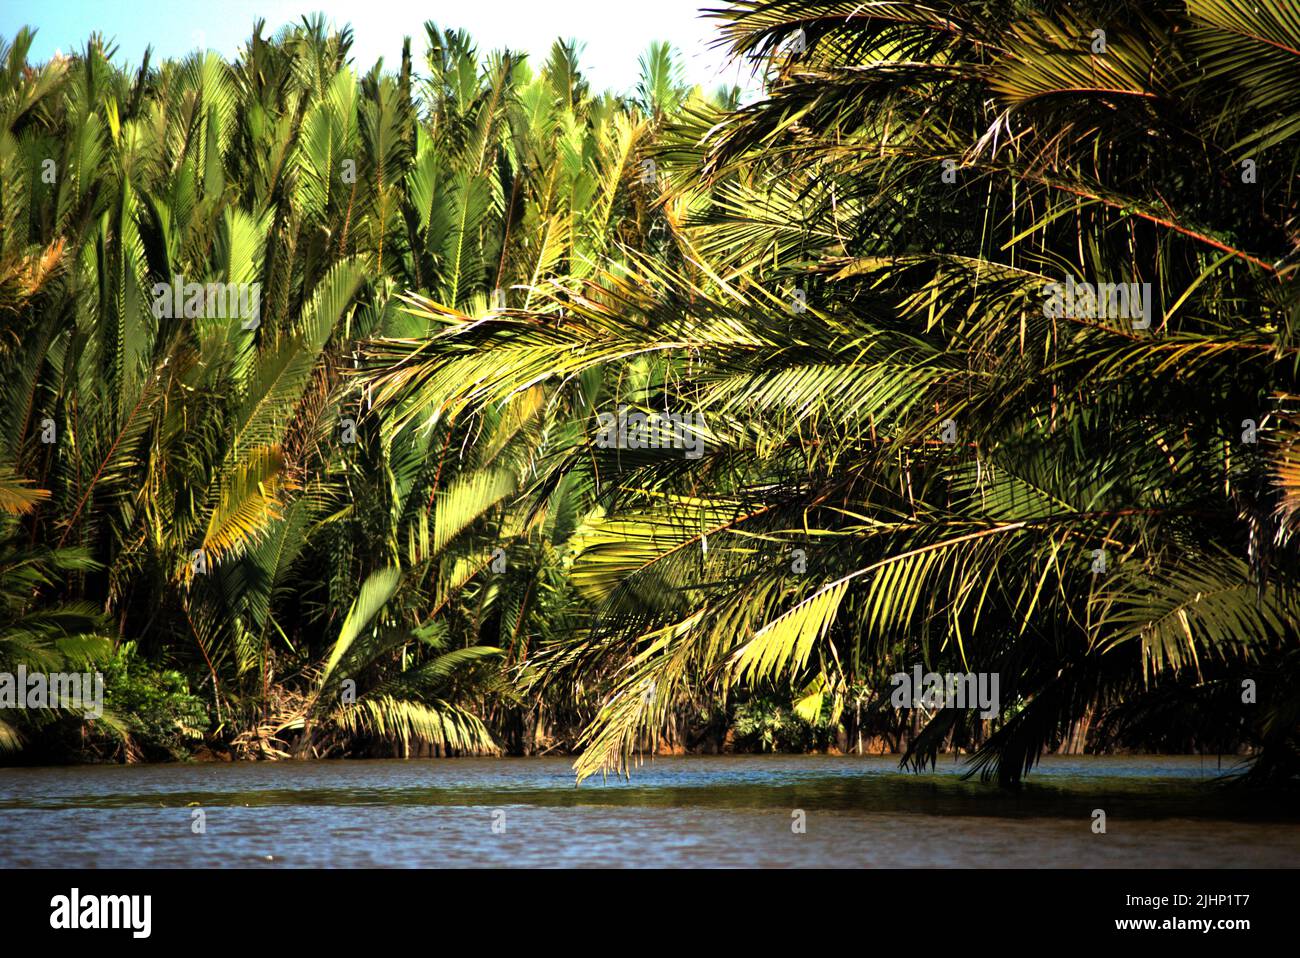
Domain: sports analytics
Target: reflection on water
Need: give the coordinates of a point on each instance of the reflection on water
(693, 812)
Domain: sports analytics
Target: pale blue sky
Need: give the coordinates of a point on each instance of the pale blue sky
(616, 32)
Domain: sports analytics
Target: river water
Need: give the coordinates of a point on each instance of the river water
(706, 811)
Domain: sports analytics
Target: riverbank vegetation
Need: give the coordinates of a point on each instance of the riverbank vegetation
(402, 507)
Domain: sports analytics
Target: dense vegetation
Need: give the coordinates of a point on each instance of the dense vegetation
(388, 516)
